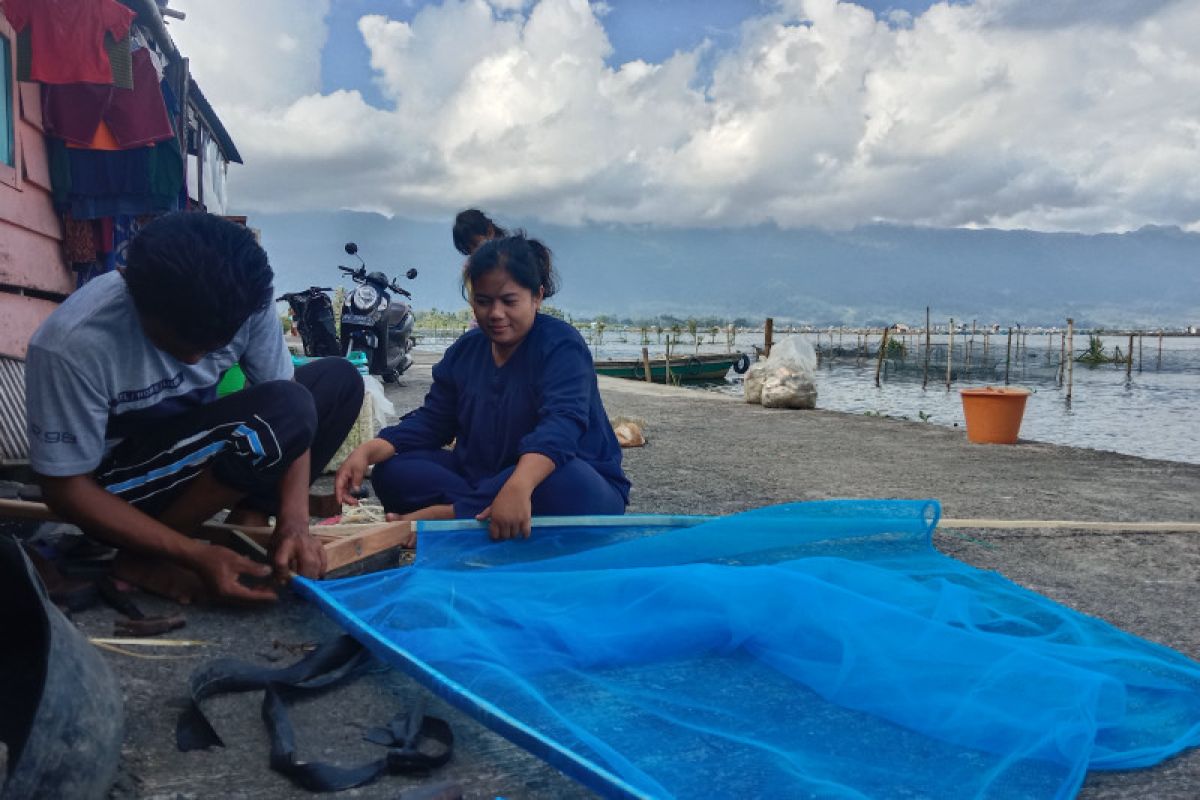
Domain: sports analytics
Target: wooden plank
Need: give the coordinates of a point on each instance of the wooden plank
(31, 104)
(344, 544)
(32, 208)
(350, 549)
(35, 160)
(20, 316)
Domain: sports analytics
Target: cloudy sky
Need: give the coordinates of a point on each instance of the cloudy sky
(1075, 115)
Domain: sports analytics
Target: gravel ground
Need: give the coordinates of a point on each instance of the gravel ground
(710, 454)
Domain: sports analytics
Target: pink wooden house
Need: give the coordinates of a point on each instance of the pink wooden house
(34, 274)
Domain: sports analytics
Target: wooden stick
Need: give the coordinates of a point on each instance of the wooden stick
(148, 642)
(925, 379)
(768, 333)
(1159, 365)
(882, 350)
(646, 365)
(1070, 357)
(25, 509)
(1129, 359)
(1008, 357)
(1082, 525)
(950, 354)
(1062, 354)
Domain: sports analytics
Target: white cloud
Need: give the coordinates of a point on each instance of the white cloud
(1003, 113)
(264, 53)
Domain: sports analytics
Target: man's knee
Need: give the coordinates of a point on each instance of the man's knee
(333, 377)
(284, 411)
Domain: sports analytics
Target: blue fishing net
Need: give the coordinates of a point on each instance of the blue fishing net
(815, 649)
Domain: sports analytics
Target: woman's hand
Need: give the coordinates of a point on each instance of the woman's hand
(510, 514)
(348, 481)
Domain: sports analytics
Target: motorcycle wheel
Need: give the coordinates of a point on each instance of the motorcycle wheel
(390, 376)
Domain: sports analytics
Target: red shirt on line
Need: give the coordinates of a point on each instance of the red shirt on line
(67, 36)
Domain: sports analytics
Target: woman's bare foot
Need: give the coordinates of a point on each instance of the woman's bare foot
(159, 576)
(445, 511)
(429, 512)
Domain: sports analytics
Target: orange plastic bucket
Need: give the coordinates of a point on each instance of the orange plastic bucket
(994, 414)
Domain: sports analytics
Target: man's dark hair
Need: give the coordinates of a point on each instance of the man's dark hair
(472, 225)
(199, 274)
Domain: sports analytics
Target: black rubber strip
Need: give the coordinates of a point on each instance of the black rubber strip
(416, 744)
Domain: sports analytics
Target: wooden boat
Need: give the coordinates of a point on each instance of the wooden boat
(683, 367)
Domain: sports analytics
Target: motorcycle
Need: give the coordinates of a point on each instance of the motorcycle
(375, 323)
(313, 315)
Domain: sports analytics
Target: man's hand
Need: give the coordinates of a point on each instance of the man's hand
(221, 568)
(294, 550)
(510, 514)
(348, 481)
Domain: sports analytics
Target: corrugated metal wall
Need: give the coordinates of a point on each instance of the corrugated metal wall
(14, 441)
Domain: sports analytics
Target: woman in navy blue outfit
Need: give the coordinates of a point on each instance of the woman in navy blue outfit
(518, 397)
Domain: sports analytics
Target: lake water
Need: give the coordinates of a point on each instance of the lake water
(1154, 413)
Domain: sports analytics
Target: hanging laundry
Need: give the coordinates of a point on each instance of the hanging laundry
(67, 37)
(118, 51)
(214, 178)
(102, 183)
(79, 240)
(119, 58)
(135, 117)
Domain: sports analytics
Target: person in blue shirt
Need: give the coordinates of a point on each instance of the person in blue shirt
(518, 397)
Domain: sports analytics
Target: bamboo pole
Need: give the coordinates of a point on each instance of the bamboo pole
(768, 334)
(1141, 337)
(971, 344)
(882, 350)
(646, 364)
(667, 362)
(1069, 524)
(950, 354)
(1129, 360)
(925, 380)
(1070, 357)
(1008, 356)
(1062, 352)
(1159, 364)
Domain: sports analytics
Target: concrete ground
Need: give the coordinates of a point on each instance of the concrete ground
(707, 453)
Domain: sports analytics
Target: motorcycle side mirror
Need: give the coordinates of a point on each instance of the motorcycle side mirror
(351, 248)
(412, 273)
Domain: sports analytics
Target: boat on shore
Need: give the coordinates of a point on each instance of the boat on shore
(682, 368)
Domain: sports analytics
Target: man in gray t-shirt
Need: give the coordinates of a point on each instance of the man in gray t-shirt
(128, 438)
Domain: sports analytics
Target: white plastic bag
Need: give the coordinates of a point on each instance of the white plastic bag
(754, 381)
(783, 388)
(375, 413)
(381, 408)
(789, 376)
(795, 354)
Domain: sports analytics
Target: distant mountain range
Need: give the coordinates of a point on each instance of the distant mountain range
(866, 276)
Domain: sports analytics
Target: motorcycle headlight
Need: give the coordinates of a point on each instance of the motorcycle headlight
(364, 298)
